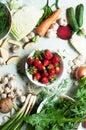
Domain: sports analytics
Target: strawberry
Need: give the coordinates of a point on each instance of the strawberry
(44, 69)
(55, 59)
(30, 61)
(32, 70)
(64, 32)
(57, 70)
(45, 62)
(44, 80)
(38, 54)
(41, 67)
(52, 71)
(37, 76)
(37, 62)
(48, 54)
(44, 73)
(50, 66)
(51, 78)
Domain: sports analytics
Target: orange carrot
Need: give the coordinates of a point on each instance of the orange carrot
(44, 26)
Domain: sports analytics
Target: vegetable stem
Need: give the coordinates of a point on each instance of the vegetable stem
(44, 26)
(17, 122)
(30, 104)
(47, 3)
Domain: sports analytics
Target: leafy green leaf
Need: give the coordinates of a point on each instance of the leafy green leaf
(38, 54)
(56, 4)
(35, 39)
(61, 114)
(3, 20)
(29, 127)
(47, 12)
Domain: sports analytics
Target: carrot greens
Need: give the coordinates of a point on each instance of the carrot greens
(47, 11)
(56, 4)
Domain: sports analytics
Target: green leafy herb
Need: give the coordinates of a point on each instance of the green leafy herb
(61, 114)
(47, 12)
(14, 4)
(3, 19)
(35, 39)
(56, 4)
(53, 79)
(29, 127)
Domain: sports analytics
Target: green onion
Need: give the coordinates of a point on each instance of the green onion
(17, 121)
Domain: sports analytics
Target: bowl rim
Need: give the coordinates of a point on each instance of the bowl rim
(42, 103)
(38, 83)
(9, 18)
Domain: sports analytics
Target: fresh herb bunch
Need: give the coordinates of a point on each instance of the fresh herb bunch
(3, 19)
(61, 114)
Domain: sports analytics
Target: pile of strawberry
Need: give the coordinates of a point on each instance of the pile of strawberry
(44, 66)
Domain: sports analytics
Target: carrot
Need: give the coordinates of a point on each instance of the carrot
(44, 26)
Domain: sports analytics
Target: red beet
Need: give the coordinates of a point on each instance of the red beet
(64, 32)
(84, 124)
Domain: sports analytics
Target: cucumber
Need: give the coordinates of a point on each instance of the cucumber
(72, 20)
(79, 14)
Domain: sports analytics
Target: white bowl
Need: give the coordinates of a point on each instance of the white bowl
(37, 83)
(41, 105)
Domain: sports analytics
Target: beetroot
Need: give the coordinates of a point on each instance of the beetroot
(84, 124)
(64, 32)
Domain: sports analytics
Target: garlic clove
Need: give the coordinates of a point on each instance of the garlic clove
(11, 77)
(22, 99)
(51, 33)
(1, 90)
(25, 39)
(3, 95)
(11, 95)
(62, 22)
(18, 92)
(7, 90)
(15, 48)
(4, 80)
(31, 35)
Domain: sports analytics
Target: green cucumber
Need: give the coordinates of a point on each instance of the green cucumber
(72, 20)
(79, 14)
